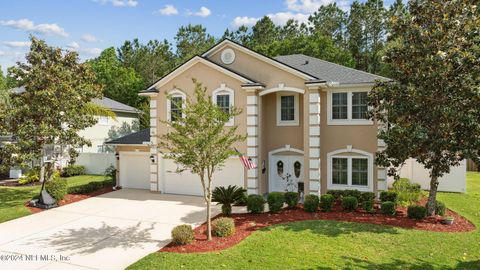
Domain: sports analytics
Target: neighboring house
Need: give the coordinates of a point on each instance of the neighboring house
(305, 120)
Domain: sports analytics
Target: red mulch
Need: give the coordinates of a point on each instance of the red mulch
(245, 224)
(71, 198)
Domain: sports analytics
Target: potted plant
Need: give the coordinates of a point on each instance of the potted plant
(448, 220)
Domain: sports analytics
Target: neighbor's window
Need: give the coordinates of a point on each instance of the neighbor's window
(360, 171)
(103, 120)
(340, 171)
(359, 105)
(340, 106)
(176, 108)
(287, 104)
(223, 102)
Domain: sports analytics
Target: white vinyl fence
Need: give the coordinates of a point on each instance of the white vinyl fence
(455, 181)
(96, 163)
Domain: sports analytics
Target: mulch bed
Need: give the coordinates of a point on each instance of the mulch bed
(71, 198)
(245, 224)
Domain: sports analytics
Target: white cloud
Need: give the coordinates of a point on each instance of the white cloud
(306, 6)
(73, 46)
(119, 3)
(89, 38)
(279, 18)
(2, 53)
(17, 44)
(30, 26)
(168, 10)
(203, 12)
(92, 52)
(247, 21)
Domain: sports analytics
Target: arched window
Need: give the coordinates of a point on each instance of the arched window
(350, 169)
(175, 103)
(224, 97)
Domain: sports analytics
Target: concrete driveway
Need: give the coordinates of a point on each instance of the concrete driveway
(110, 231)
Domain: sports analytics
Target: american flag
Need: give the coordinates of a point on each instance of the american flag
(247, 162)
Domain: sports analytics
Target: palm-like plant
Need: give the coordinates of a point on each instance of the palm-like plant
(226, 196)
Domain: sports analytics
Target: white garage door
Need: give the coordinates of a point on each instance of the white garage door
(189, 184)
(135, 170)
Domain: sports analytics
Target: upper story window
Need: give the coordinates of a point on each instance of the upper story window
(287, 109)
(103, 120)
(175, 103)
(224, 97)
(348, 107)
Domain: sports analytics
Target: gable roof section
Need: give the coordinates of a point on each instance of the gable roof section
(139, 137)
(194, 60)
(272, 61)
(114, 105)
(328, 71)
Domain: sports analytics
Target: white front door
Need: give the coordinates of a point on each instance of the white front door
(286, 171)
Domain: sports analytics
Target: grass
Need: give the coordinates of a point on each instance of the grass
(344, 245)
(12, 199)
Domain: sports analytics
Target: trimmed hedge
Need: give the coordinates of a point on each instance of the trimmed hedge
(388, 196)
(90, 187)
(349, 203)
(57, 188)
(353, 193)
(73, 170)
(275, 201)
(368, 206)
(388, 208)
(223, 227)
(182, 234)
(337, 194)
(255, 204)
(440, 208)
(311, 203)
(367, 197)
(291, 198)
(326, 202)
(417, 212)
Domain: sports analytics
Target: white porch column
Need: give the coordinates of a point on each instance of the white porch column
(313, 142)
(153, 146)
(253, 140)
(381, 171)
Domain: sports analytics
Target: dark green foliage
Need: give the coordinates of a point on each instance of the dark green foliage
(352, 193)
(349, 203)
(73, 170)
(223, 227)
(367, 197)
(90, 187)
(388, 196)
(242, 201)
(275, 201)
(255, 204)
(57, 188)
(182, 234)
(417, 212)
(291, 198)
(368, 206)
(32, 176)
(388, 208)
(111, 174)
(311, 203)
(440, 208)
(326, 202)
(227, 196)
(337, 194)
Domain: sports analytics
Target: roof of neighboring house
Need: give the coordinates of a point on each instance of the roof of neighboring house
(114, 105)
(328, 71)
(139, 137)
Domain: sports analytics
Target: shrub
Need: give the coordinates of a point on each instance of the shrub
(255, 204)
(275, 201)
(388, 208)
(226, 196)
(416, 212)
(311, 203)
(353, 193)
(31, 176)
(388, 196)
(337, 194)
(349, 203)
(182, 234)
(408, 193)
(242, 201)
(326, 202)
(90, 187)
(223, 227)
(111, 173)
(368, 206)
(57, 188)
(72, 170)
(367, 197)
(440, 208)
(291, 198)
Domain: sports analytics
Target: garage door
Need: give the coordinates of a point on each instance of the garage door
(189, 184)
(135, 170)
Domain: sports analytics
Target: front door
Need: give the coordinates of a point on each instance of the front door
(286, 171)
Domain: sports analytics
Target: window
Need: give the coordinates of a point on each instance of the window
(225, 99)
(340, 171)
(359, 105)
(223, 102)
(359, 172)
(287, 109)
(176, 108)
(348, 108)
(103, 120)
(340, 106)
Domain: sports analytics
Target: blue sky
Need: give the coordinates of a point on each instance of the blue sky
(88, 26)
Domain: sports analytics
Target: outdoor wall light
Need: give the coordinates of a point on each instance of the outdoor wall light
(117, 156)
(152, 158)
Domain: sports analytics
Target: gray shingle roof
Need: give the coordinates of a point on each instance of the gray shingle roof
(328, 71)
(114, 105)
(139, 137)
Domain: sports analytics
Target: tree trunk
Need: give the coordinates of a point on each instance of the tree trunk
(432, 196)
(42, 171)
(209, 214)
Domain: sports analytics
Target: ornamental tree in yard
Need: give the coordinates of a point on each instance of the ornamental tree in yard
(198, 140)
(432, 108)
(53, 108)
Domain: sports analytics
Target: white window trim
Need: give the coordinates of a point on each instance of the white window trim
(343, 153)
(349, 121)
(107, 123)
(175, 93)
(222, 90)
(295, 122)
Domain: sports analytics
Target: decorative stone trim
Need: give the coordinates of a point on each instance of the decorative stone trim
(252, 140)
(314, 141)
(153, 146)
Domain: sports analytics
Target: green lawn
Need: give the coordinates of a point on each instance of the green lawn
(12, 199)
(343, 245)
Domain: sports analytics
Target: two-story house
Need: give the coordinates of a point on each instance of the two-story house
(305, 121)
